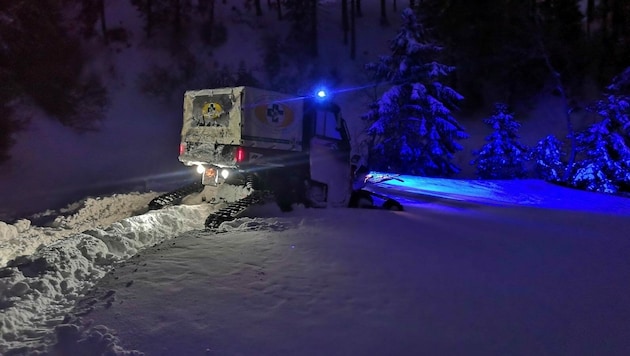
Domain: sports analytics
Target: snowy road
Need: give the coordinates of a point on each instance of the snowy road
(439, 278)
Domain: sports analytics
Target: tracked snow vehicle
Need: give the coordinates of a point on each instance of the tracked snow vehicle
(298, 148)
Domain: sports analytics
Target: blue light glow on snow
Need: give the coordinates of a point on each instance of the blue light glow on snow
(524, 192)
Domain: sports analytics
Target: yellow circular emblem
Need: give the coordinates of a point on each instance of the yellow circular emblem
(211, 110)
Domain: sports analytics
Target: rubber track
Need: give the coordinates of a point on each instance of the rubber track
(229, 212)
(176, 196)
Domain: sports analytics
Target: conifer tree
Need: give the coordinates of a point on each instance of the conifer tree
(411, 127)
(500, 44)
(605, 148)
(164, 14)
(620, 84)
(42, 63)
(503, 157)
(302, 39)
(55, 82)
(9, 125)
(547, 155)
(92, 12)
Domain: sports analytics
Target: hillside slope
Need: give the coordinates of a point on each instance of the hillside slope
(136, 147)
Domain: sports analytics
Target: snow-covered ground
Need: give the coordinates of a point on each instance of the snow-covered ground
(462, 270)
(313, 280)
(137, 145)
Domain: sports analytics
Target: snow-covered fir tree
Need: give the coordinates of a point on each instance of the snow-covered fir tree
(503, 156)
(620, 84)
(547, 155)
(605, 148)
(411, 127)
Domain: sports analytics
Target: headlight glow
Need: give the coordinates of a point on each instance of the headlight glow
(200, 169)
(225, 173)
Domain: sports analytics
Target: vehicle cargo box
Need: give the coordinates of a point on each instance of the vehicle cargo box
(242, 116)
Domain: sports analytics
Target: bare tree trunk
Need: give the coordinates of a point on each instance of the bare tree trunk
(149, 10)
(533, 10)
(101, 11)
(617, 20)
(344, 20)
(258, 8)
(384, 21)
(206, 7)
(177, 17)
(314, 51)
(590, 14)
(568, 110)
(604, 13)
(279, 8)
(353, 39)
(395, 7)
(359, 13)
(210, 15)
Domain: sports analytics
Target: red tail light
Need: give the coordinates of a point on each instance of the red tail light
(240, 154)
(182, 148)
